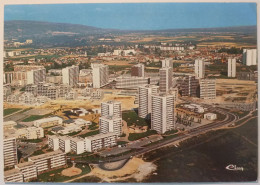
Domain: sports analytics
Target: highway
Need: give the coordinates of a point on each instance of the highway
(229, 118)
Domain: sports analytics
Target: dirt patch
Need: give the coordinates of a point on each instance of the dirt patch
(70, 172)
(134, 168)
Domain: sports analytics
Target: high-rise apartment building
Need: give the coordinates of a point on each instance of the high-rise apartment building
(208, 88)
(165, 82)
(189, 86)
(10, 151)
(162, 116)
(36, 76)
(167, 63)
(111, 108)
(70, 75)
(231, 67)
(145, 100)
(110, 124)
(100, 75)
(137, 70)
(199, 68)
(250, 57)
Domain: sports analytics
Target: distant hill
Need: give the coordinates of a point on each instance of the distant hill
(35, 28)
(40, 29)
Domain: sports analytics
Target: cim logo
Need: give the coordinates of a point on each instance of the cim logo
(234, 168)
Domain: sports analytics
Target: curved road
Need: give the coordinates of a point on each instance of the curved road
(230, 117)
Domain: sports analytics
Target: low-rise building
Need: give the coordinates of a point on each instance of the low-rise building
(64, 144)
(13, 175)
(48, 122)
(48, 161)
(132, 82)
(210, 116)
(96, 142)
(9, 125)
(28, 170)
(77, 145)
(110, 124)
(53, 142)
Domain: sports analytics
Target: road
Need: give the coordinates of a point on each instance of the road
(229, 118)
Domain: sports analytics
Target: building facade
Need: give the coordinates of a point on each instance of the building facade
(110, 124)
(10, 151)
(70, 76)
(111, 108)
(208, 88)
(145, 100)
(137, 70)
(232, 67)
(249, 57)
(162, 116)
(165, 82)
(100, 75)
(199, 68)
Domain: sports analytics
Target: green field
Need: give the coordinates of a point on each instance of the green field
(55, 175)
(90, 134)
(136, 136)
(10, 111)
(132, 118)
(33, 118)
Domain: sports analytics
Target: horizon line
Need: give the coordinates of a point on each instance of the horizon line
(133, 29)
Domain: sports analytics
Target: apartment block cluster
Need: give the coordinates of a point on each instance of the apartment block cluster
(157, 102)
(36, 165)
(110, 127)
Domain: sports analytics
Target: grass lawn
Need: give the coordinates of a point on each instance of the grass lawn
(136, 136)
(170, 132)
(121, 142)
(55, 175)
(74, 133)
(32, 140)
(37, 152)
(33, 118)
(10, 111)
(93, 126)
(132, 118)
(90, 134)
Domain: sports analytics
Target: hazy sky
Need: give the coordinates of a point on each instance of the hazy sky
(145, 16)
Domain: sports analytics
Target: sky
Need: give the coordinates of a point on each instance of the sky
(139, 16)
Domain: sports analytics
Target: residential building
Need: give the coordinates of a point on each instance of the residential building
(28, 170)
(111, 108)
(137, 70)
(77, 145)
(30, 133)
(210, 116)
(53, 142)
(132, 82)
(250, 57)
(167, 63)
(70, 76)
(145, 100)
(64, 144)
(48, 122)
(189, 86)
(13, 175)
(165, 79)
(100, 75)
(199, 68)
(35, 76)
(48, 161)
(99, 141)
(232, 67)
(110, 124)
(10, 151)
(9, 125)
(208, 88)
(162, 116)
